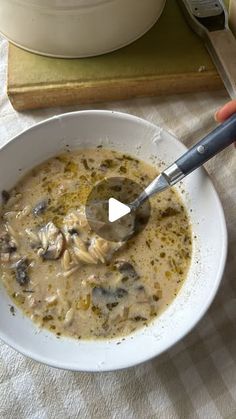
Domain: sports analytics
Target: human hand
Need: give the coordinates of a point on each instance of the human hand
(225, 112)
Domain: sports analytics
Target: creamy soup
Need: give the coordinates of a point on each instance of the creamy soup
(67, 278)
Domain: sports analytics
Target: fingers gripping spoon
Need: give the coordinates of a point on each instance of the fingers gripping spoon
(209, 19)
(200, 153)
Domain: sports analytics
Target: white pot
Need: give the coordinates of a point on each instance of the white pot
(130, 134)
(76, 28)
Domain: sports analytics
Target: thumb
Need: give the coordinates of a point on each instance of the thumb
(226, 111)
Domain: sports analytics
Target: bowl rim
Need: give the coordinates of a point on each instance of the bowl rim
(202, 310)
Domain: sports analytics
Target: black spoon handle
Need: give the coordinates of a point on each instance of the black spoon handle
(208, 147)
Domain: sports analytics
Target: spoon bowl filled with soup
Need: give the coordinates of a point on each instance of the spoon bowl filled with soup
(74, 298)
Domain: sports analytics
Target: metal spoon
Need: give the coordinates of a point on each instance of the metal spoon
(220, 138)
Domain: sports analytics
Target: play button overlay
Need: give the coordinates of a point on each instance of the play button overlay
(116, 210)
(108, 212)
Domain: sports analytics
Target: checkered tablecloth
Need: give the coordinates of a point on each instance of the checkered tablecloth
(197, 377)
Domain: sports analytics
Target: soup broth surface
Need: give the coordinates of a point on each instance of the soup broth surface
(67, 278)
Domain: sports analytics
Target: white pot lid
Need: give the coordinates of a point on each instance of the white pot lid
(62, 4)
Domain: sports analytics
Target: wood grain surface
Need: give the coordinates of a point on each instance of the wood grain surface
(169, 59)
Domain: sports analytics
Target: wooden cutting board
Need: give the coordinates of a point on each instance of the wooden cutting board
(169, 59)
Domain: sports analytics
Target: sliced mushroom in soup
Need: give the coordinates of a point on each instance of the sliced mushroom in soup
(67, 278)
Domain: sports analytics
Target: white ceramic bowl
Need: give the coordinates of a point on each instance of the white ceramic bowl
(76, 28)
(128, 134)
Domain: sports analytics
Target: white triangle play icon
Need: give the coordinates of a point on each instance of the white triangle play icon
(116, 210)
